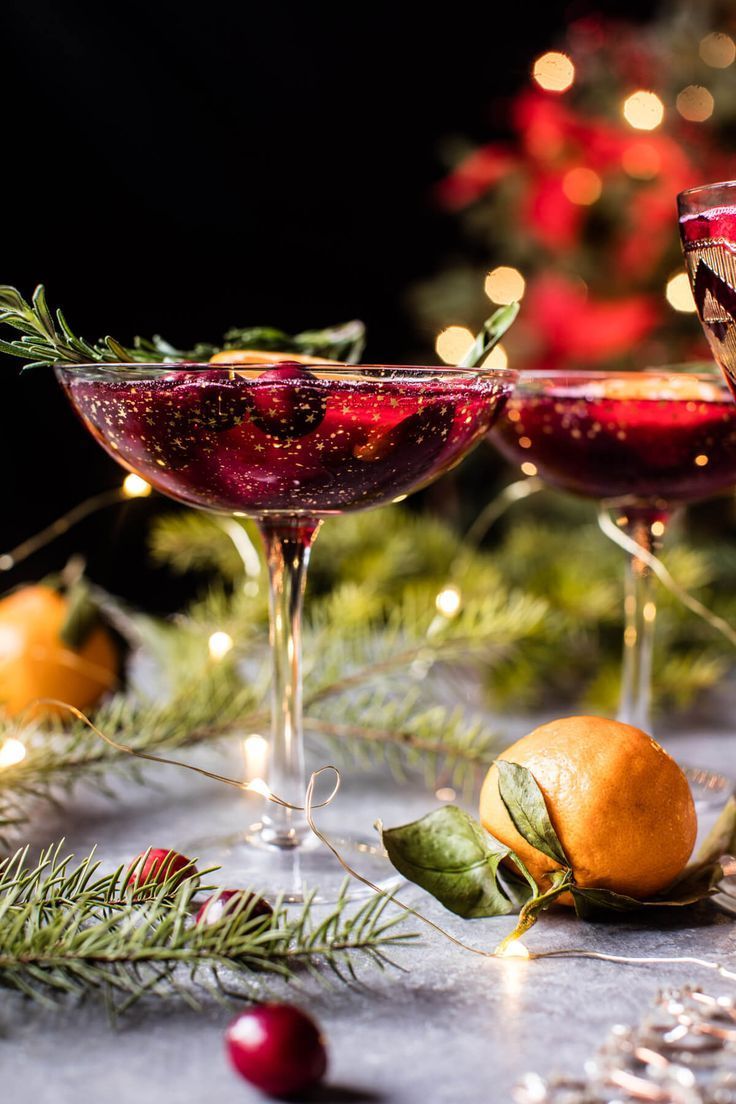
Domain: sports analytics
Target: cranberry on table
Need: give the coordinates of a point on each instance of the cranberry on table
(278, 1048)
(285, 401)
(227, 901)
(159, 865)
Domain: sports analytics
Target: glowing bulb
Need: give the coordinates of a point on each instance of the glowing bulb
(12, 752)
(445, 793)
(643, 110)
(255, 751)
(257, 785)
(528, 468)
(657, 528)
(515, 949)
(399, 498)
(641, 160)
(448, 601)
(497, 358)
(582, 186)
(453, 343)
(718, 50)
(679, 293)
(135, 487)
(554, 72)
(701, 460)
(695, 103)
(505, 285)
(649, 612)
(219, 645)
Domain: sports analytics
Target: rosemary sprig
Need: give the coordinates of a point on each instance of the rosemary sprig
(489, 336)
(47, 338)
(67, 930)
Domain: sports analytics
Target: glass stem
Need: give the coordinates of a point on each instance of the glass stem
(640, 613)
(288, 543)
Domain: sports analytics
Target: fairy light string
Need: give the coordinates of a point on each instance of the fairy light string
(515, 949)
(131, 488)
(633, 548)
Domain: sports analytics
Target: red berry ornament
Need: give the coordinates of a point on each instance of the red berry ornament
(278, 1048)
(227, 901)
(159, 865)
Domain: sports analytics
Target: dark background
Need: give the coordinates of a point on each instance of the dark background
(178, 171)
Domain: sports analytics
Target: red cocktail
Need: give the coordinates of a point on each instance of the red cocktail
(286, 440)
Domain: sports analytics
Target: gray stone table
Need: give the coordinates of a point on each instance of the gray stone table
(453, 1028)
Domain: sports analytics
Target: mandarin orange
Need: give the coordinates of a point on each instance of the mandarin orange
(36, 663)
(621, 807)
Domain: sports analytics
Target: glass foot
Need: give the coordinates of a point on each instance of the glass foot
(248, 861)
(710, 789)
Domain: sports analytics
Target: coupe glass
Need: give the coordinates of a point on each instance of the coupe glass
(643, 443)
(288, 447)
(708, 234)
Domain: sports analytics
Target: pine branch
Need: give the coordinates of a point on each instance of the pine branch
(67, 930)
(408, 733)
(208, 705)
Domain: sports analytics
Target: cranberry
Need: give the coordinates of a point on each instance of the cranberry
(281, 407)
(226, 901)
(278, 1048)
(159, 865)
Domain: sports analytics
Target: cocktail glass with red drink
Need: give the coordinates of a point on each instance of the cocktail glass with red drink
(643, 444)
(288, 446)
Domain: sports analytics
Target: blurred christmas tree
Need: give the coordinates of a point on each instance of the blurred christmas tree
(574, 208)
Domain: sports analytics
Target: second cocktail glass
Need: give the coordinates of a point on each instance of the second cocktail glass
(642, 443)
(288, 447)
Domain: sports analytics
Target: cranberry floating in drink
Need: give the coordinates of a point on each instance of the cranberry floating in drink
(287, 445)
(642, 442)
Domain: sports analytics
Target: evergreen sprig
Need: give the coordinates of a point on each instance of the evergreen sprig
(66, 929)
(47, 338)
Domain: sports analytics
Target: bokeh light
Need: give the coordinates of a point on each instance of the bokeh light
(695, 103)
(219, 645)
(12, 752)
(497, 358)
(679, 293)
(582, 186)
(717, 50)
(135, 487)
(554, 72)
(453, 343)
(505, 285)
(448, 601)
(643, 110)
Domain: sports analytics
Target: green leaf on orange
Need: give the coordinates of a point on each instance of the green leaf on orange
(452, 857)
(695, 884)
(526, 806)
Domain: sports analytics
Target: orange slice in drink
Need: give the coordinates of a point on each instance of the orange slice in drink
(265, 356)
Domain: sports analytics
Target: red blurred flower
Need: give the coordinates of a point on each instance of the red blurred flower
(475, 175)
(571, 325)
